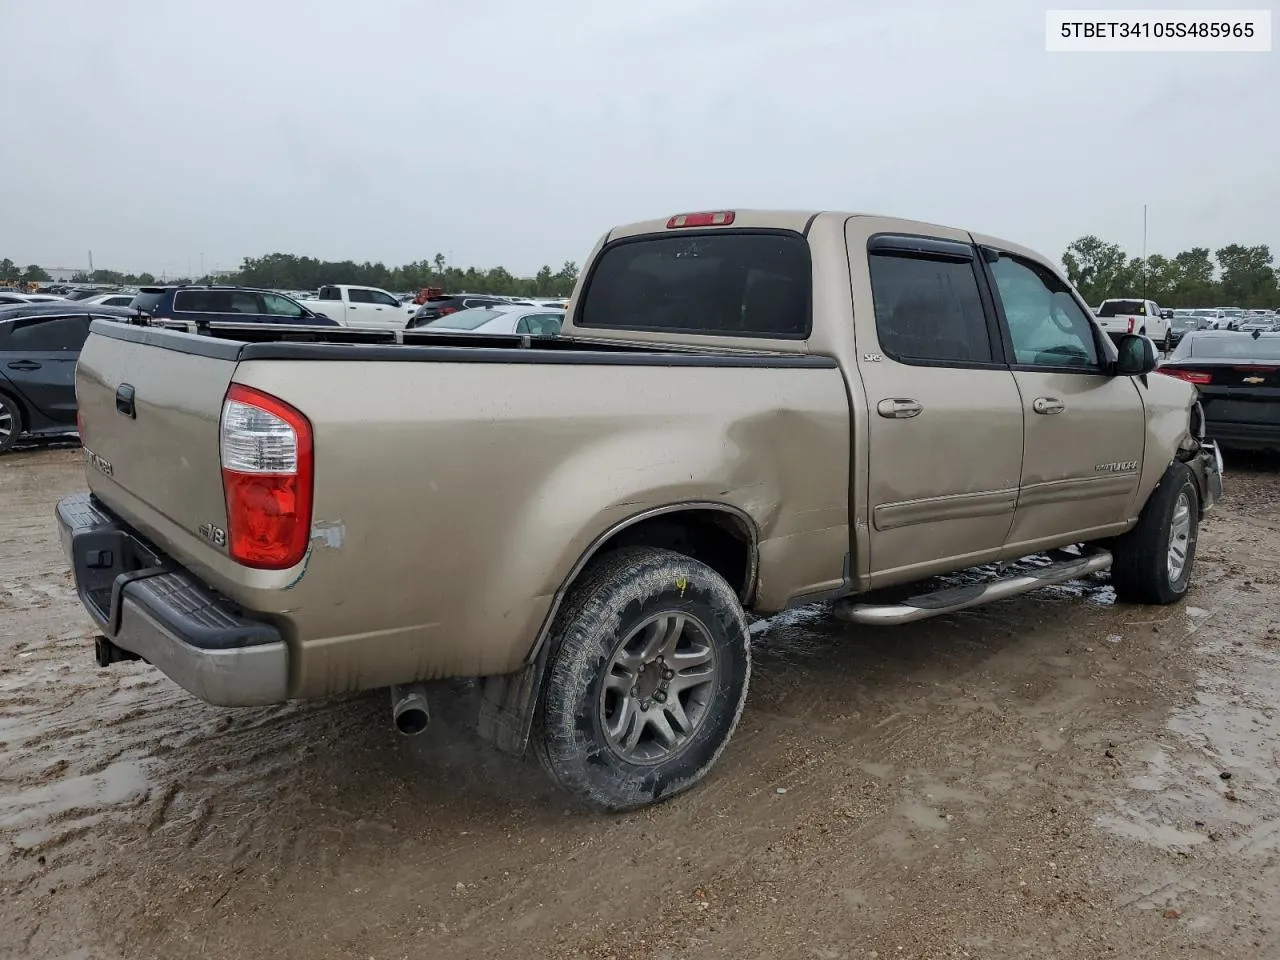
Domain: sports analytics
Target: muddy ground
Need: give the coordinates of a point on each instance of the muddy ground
(1052, 776)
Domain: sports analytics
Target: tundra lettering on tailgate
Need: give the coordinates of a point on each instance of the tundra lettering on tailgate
(101, 464)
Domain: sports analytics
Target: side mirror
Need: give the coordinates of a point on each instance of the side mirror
(1136, 356)
(1166, 314)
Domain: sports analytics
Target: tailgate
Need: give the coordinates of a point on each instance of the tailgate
(156, 462)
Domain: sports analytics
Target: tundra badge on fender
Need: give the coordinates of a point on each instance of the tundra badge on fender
(1120, 466)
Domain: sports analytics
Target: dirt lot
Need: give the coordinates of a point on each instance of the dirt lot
(1054, 776)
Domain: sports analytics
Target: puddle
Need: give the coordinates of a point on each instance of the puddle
(120, 783)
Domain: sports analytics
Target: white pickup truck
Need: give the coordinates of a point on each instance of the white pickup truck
(1143, 317)
(355, 306)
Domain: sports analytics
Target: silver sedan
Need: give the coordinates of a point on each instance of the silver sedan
(516, 319)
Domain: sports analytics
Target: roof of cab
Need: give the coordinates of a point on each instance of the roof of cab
(800, 221)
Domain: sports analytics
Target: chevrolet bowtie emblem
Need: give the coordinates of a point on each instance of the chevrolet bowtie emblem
(1254, 379)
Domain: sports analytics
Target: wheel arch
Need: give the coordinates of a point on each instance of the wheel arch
(706, 527)
(663, 526)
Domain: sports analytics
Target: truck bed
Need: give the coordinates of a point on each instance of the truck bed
(459, 478)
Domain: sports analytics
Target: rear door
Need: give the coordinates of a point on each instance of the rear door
(361, 311)
(1085, 430)
(39, 356)
(944, 419)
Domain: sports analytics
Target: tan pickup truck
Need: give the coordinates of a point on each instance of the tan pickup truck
(744, 411)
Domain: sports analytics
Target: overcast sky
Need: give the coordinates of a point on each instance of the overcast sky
(514, 132)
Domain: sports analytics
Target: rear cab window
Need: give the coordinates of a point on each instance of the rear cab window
(725, 283)
(1123, 308)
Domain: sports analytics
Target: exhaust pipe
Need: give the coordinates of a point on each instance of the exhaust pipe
(107, 653)
(409, 708)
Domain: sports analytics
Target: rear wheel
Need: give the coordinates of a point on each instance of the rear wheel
(647, 679)
(1153, 561)
(10, 423)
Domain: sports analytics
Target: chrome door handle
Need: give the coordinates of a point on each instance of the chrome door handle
(1047, 405)
(898, 409)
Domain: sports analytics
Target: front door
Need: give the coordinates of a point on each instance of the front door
(944, 421)
(1085, 429)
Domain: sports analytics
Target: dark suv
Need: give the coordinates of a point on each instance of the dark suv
(225, 305)
(438, 307)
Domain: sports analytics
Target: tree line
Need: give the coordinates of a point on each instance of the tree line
(1233, 276)
(285, 271)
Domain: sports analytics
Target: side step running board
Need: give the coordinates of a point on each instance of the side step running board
(971, 595)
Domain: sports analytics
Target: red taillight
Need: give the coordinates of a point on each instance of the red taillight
(721, 219)
(1197, 377)
(267, 459)
(1131, 323)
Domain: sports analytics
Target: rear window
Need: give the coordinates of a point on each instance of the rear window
(1231, 347)
(146, 300)
(1122, 308)
(464, 320)
(721, 284)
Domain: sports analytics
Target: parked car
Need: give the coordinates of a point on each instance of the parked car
(514, 319)
(10, 297)
(1212, 316)
(1237, 375)
(443, 305)
(38, 352)
(744, 410)
(199, 304)
(355, 306)
(1232, 318)
(13, 310)
(111, 299)
(1185, 322)
(1119, 318)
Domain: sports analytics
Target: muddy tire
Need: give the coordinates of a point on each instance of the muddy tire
(647, 679)
(1153, 561)
(10, 423)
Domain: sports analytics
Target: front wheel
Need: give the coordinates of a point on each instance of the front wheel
(1153, 561)
(647, 679)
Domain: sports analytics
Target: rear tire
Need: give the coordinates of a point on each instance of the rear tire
(10, 423)
(1153, 561)
(646, 681)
